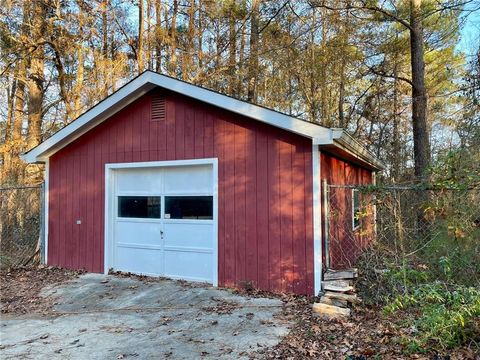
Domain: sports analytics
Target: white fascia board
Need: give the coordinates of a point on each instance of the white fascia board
(344, 140)
(144, 83)
(327, 139)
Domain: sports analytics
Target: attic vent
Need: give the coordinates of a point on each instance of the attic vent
(159, 108)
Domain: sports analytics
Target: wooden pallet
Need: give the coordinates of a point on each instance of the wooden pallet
(338, 293)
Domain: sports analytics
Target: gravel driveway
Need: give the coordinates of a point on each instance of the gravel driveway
(112, 317)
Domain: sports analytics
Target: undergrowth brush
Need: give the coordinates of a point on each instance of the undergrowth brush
(431, 311)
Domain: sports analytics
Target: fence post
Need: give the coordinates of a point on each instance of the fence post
(42, 223)
(326, 214)
(374, 199)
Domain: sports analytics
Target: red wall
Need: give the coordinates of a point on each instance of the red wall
(345, 244)
(265, 189)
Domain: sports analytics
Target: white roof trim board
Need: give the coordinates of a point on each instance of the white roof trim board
(149, 80)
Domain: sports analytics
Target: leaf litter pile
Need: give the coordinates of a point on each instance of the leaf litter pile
(20, 288)
(364, 335)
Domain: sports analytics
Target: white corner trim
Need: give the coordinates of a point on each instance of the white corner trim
(317, 220)
(107, 218)
(148, 80)
(109, 203)
(46, 200)
(214, 163)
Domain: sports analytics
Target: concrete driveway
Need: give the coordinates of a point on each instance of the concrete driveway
(111, 317)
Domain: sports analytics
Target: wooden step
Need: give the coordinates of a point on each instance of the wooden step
(340, 274)
(340, 281)
(333, 301)
(337, 285)
(341, 296)
(330, 310)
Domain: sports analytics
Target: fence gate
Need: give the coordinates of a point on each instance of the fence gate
(21, 224)
(349, 224)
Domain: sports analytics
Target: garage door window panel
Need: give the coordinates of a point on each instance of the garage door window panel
(139, 207)
(189, 207)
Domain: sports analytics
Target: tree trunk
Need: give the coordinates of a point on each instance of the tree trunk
(158, 35)
(36, 78)
(21, 80)
(341, 94)
(11, 93)
(62, 84)
(324, 114)
(421, 145)
(396, 151)
(253, 63)
(77, 91)
(188, 52)
(200, 36)
(19, 113)
(105, 47)
(241, 66)
(313, 103)
(344, 30)
(140, 37)
(6, 140)
(173, 41)
(232, 49)
(148, 45)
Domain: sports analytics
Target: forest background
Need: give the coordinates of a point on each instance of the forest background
(353, 64)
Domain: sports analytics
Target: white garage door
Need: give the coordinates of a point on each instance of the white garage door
(163, 222)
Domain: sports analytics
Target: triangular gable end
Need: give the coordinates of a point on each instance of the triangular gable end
(148, 80)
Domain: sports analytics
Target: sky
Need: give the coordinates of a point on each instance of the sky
(470, 34)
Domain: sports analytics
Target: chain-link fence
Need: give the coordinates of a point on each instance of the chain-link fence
(435, 229)
(20, 225)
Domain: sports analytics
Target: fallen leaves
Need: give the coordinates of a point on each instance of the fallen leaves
(222, 307)
(20, 288)
(367, 334)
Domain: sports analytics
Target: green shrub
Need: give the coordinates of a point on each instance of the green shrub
(442, 317)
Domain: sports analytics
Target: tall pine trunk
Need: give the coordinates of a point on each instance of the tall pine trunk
(172, 66)
(421, 145)
(396, 158)
(77, 104)
(148, 45)
(232, 49)
(140, 56)
(105, 76)
(36, 78)
(158, 36)
(189, 51)
(253, 63)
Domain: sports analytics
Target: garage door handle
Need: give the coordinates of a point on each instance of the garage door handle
(161, 234)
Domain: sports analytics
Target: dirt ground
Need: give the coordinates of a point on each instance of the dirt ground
(366, 335)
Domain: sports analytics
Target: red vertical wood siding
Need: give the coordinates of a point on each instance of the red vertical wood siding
(345, 244)
(265, 227)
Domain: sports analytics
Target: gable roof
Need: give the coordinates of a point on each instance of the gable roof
(148, 80)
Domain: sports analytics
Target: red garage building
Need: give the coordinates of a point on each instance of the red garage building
(170, 179)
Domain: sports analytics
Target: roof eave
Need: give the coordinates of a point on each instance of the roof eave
(342, 141)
